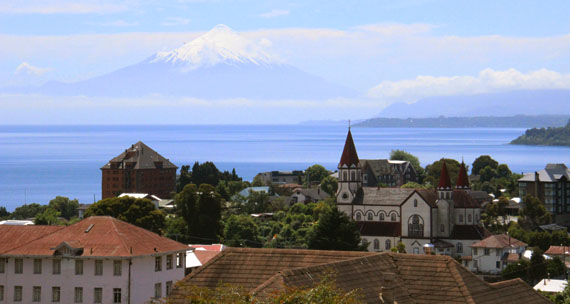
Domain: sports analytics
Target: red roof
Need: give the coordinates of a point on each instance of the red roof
(444, 181)
(98, 236)
(462, 178)
(557, 250)
(349, 156)
(499, 241)
(212, 247)
(15, 236)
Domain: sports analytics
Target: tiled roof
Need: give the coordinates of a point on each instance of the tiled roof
(462, 199)
(429, 195)
(382, 196)
(379, 228)
(15, 236)
(499, 241)
(462, 178)
(401, 278)
(469, 232)
(142, 157)
(444, 180)
(99, 236)
(349, 156)
(552, 173)
(555, 250)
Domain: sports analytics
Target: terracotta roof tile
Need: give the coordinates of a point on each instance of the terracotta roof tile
(15, 236)
(557, 250)
(499, 241)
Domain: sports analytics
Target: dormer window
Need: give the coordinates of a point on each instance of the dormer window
(72, 248)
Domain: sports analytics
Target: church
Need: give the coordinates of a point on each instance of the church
(447, 220)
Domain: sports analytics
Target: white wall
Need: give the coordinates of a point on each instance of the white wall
(423, 210)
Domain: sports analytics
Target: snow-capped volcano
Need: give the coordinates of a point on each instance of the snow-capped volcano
(219, 45)
(219, 64)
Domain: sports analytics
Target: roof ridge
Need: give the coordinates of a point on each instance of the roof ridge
(120, 236)
(38, 238)
(267, 282)
(210, 261)
(458, 278)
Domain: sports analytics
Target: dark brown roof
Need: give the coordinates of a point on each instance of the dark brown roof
(349, 156)
(499, 241)
(379, 228)
(462, 178)
(469, 232)
(98, 236)
(140, 156)
(462, 199)
(429, 195)
(444, 180)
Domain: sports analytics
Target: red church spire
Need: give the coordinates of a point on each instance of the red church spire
(462, 178)
(444, 180)
(349, 156)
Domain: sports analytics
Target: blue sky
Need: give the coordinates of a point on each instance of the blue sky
(389, 50)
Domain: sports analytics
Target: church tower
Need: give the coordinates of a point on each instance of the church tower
(462, 178)
(444, 203)
(349, 172)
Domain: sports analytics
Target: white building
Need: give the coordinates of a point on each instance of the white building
(494, 253)
(97, 260)
(551, 286)
(448, 218)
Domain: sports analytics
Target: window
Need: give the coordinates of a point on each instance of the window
(358, 216)
(98, 267)
(474, 251)
(179, 260)
(381, 216)
(498, 264)
(37, 294)
(498, 252)
(37, 266)
(1, 292)
(442, 228)
(475, 263)
(376, 244)
(469, 218)
(78, 267)
(158, 290)
(169, 261)
(393, 217)
(416, 250)
(461, 218)
(344, 176)
(370, 216)
(2, 265)
(459, 248)
(487, 251)
(352, 176)
(17, 293)
(388, 245)
(158, 263)
(98, 295)
(415, 226)
(55, 296)
(117, 268)
(415, 203)
(117, 295)
(78, 295)
(168, 288)
(18, 265)
(56, 266)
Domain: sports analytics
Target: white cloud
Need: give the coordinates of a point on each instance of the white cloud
(60, 7)
(173, 21)
(274, 13)
(117, 23)
(27, 69)
(487, 81)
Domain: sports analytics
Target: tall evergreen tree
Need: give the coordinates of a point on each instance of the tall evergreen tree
(335, 231)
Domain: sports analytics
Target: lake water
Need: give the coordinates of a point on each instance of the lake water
(39, 162)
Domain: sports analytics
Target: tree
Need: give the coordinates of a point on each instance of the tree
(139, 212)
(184, 179)
(537, 269)
(504, 171)
(186, 203)
(487, 174)
(433, 171)
(329, 184)
(27, 211)
(516, 270)
(4, 213)
(66, 207)
(414, 161)
(210, 208)
(205, 173)
(533, 213)
(241, 231)
(316, 173)
(48, 217)
(335, 231)
(555, 267)
(482, 162)
(257, 202)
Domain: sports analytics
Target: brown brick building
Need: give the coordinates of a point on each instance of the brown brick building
(138, 169)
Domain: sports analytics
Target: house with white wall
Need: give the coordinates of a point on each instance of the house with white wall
(494, 253)
(97, 260)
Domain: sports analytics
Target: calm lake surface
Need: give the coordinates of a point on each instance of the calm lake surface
(39, 162)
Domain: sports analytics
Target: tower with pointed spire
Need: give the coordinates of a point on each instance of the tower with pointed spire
(349, 172)
(462, 179)
(444, 202)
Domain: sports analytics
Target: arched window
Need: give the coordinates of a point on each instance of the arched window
(442, 228)
(381, 216)
(469, 218)
(415, 203)
(344, 176)
(369, 216)
(376, 244)
(393, 217)
(352, 176)
(459, 248)
(461, 218)
(388, 245)
(358, 216)
(416, 226)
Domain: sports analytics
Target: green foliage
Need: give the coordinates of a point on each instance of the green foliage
(48, 217)
(66, 207)
(176, 229)
(139, 212)
(555, 267)
(329, 184)
(401, 247)
(27, 211)
(433, 171)
(537, 269)
(403, 155)
(335, 231)
(560, 298)
(545, 136)
(533, 213)
(241, 231)
(201, 208)
(540, 239)
(482, 162)
(487, 174)
(4, 214)
(205, 173)
(316, 173)
(516, 270)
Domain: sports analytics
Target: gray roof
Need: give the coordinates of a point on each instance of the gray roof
(552, 173)
(382, 196)
(385, 166)
(142, 157)
(314, 194)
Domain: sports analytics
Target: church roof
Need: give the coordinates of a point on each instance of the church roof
(349, 156)
(140, 156)
(463, 199)
(462, 178)
(444, 180)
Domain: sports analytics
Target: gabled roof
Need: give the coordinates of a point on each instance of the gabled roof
(99, 236)
(140, 156)
(444, 180)
(462, 178)
(349, 156)
(382, 196)
(499, 241)
(552, 173)
(15, 236)
(463, 199)
(558, 250)
(314, 194)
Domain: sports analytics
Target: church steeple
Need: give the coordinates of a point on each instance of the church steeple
(462, 178)
(444, 180)
(349, 156)
(349, 173)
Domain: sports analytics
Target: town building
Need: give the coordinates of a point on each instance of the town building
(282, 177)
(139, 169)
(155, 200)
(447, 217)
(551, 286)
(307, 195)
(493, 254)
(391, 173)
(97, 260)
(376, 277)
(552, 187)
